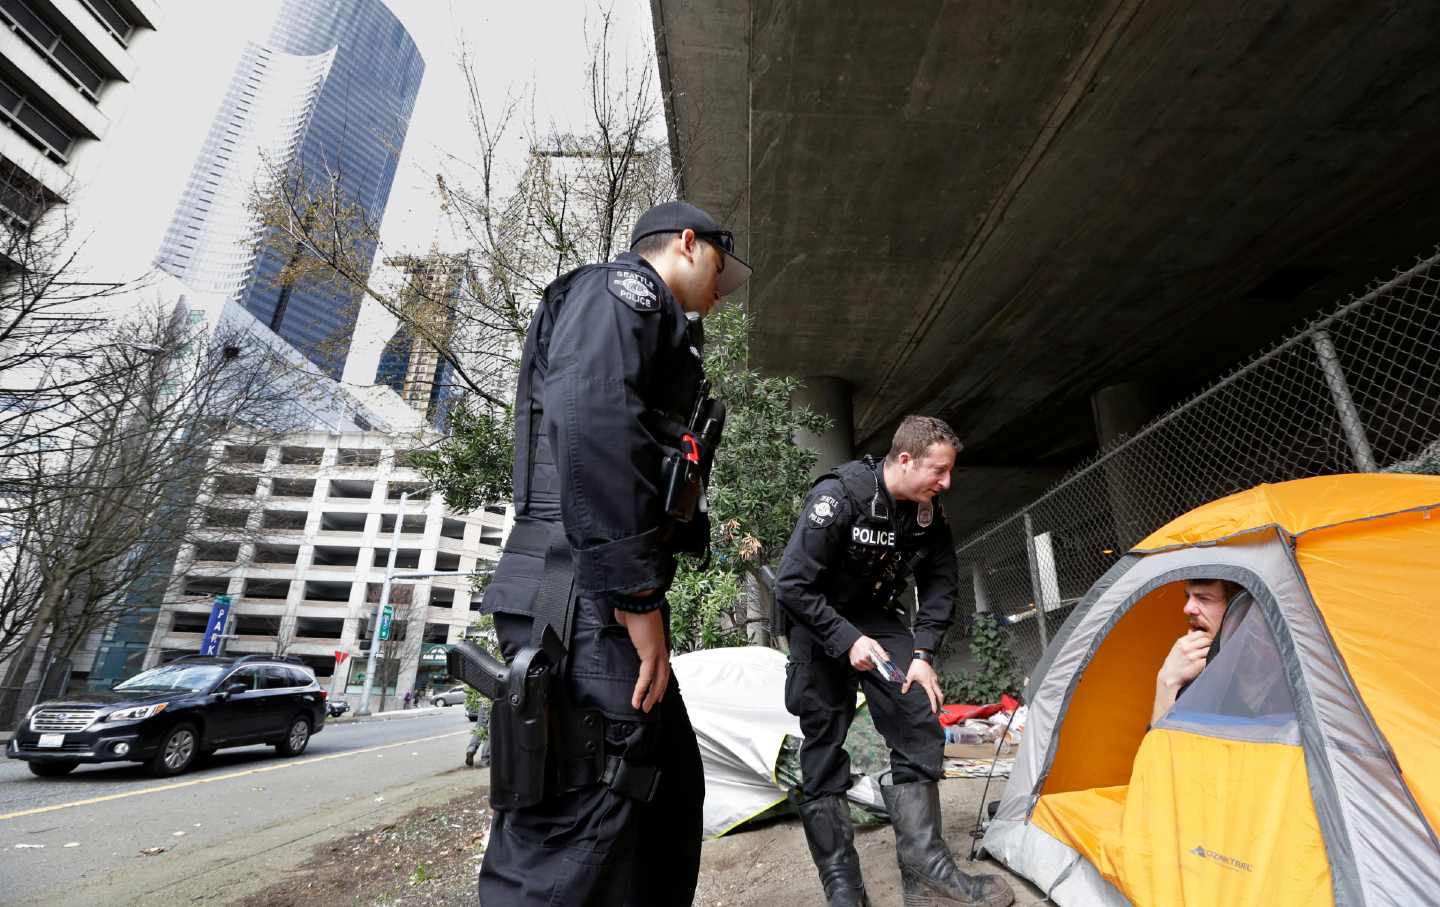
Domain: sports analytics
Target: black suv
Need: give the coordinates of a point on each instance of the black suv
(171, 715)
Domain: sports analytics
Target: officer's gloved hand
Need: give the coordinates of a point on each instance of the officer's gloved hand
(647, 635)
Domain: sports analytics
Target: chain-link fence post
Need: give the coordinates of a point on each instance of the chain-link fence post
(1035, 589)
(1340, 390)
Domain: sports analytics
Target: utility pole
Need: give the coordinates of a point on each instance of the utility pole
(380, 606)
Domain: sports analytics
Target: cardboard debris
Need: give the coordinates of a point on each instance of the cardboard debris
(978, 768)
(978, 750)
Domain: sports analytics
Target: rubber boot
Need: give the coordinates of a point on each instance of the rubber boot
(832, 845)
(927, 870)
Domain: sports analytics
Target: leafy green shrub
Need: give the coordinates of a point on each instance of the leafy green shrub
(995, 671)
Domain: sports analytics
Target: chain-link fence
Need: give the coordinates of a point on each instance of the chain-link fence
(1355, 391)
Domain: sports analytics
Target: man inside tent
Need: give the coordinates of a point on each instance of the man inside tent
(1206, 601)
(1207, 605)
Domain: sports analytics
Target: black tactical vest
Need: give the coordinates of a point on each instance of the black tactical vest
(880, 549)
(678, 374)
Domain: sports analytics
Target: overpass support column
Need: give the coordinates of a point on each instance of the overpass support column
(828, 397)
(1121, 410)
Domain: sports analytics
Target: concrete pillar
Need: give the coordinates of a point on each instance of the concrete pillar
(1120, 411)
(829, 397)
(982, 592)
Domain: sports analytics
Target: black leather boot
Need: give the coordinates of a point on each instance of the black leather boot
(927, 869)
(832, 845)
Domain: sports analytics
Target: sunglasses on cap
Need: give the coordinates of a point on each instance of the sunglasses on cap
(724, 239)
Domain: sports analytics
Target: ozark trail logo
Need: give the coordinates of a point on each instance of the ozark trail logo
(822, 512)
(635, 290)
(1227, 862)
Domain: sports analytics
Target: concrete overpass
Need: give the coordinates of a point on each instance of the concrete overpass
(1048, 221)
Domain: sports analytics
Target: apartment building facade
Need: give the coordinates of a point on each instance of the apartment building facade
(65, 72)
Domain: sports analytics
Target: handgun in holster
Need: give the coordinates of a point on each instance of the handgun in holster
(541, 744)
(685, 473)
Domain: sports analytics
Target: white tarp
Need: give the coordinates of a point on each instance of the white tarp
(736, 701)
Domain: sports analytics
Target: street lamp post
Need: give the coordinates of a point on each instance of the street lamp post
(370, 664)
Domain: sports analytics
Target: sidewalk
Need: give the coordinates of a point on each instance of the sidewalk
(416, 712)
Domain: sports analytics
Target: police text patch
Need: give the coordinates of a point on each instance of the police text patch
(822, 512)
(635, 290)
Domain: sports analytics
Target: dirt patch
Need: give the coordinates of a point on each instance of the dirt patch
(429, 856)
(432, 855)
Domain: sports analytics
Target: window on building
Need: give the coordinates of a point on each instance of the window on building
(205, 585)
(257, 625)
(283, 520)
(292, 488)
(236, 453)
(115, 22)
(218, 552)
(351, 489)
(223, 518)
(235, 484)
(34, 124)
(357, 456)
(301, 456)
(189, 622)
(267, 589)
(319, 627)
(436, 632)
(277, 554)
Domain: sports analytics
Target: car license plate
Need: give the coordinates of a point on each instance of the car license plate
(52, 741)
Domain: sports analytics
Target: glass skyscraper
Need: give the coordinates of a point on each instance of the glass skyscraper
(412, 365)
(327, 97)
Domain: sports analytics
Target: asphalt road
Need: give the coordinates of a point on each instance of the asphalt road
(238, 821)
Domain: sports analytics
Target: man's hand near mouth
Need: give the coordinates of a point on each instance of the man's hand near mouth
(1184, 663)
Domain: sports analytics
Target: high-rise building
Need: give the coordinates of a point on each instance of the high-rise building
(325, 99)
(411, 363)
(65, 67)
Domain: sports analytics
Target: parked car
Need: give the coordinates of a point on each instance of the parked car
(452, 696)
(171, 715)
(336, 707)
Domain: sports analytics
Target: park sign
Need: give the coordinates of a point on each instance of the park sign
(214, 630)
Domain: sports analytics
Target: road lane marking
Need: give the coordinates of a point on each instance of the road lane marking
(226, 777)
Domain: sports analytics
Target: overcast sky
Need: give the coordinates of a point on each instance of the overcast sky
(184, 67)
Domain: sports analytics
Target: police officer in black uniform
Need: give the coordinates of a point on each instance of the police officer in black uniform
(610, 370)
(868, 529)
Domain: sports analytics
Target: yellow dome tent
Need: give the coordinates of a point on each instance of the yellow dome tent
(1301, 767)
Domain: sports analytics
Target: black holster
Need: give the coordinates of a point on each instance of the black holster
(540, 744)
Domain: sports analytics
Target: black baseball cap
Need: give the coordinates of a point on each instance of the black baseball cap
(674, 217)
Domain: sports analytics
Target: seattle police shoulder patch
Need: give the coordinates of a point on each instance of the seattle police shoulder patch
(823, 511)
(635, 290)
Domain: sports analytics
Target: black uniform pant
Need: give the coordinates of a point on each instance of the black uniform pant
(593, 846)
(820, 691)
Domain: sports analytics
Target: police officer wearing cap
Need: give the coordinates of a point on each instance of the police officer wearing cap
(869, 528)
(611, 364)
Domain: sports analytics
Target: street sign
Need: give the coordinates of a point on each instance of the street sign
(340, 656)
(385, 617)
(219, 611)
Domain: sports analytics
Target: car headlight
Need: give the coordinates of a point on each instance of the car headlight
(137, 713)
